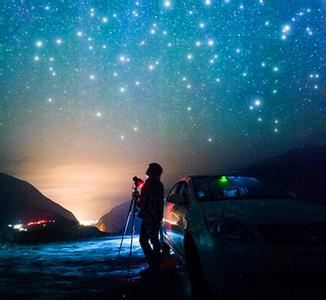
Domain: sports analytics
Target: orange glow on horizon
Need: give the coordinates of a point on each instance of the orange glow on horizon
(88, 191)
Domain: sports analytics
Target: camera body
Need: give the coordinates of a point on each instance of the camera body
(138, 182)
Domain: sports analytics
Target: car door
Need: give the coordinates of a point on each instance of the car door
(175, 215)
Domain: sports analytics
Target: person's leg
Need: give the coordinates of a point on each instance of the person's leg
(144, 237)
(154, 238)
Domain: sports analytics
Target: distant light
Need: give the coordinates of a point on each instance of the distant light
(79, 33)
(39, 222)
(122, 137)
(105, 19)
(88, 222)
(92, 77)
(98, 114)
(19, 227)
(58, 41)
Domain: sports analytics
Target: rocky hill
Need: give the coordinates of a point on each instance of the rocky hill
(26, 215)
(114, 220)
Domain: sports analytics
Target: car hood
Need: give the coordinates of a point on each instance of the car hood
(267, 211)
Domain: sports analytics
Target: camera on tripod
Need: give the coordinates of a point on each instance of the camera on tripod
(138, 182)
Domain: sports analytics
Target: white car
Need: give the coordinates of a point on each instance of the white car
(236, 233)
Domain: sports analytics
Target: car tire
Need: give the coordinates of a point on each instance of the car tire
(199, 287)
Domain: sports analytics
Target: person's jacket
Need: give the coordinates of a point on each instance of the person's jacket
(151, 201)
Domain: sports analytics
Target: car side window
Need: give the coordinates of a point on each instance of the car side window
(175, 190)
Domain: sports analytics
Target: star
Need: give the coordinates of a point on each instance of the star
(105, 20)
(167, 4)
(39, 44)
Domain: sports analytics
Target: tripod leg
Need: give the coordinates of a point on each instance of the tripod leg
(133, 227)
(126, 225)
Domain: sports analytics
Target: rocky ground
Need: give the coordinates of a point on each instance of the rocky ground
(84, 270)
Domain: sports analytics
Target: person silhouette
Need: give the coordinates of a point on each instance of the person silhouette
(151, 213)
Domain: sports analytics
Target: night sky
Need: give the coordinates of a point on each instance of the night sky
(92, 91)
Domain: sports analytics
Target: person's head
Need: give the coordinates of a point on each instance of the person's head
(154, 170)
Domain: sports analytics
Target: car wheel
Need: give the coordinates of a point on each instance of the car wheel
(199, 288)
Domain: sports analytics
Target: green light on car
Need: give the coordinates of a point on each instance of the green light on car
(223, 180)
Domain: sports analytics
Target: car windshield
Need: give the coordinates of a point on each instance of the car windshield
(214, 188)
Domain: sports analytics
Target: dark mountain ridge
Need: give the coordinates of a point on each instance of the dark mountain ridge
(301, 170)
(26, 215)
(21, 202)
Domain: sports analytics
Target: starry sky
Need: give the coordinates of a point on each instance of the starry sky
(92, 91)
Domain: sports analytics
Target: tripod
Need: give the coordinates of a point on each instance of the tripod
(131, 213)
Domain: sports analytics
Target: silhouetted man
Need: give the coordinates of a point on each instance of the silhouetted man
(151, 213)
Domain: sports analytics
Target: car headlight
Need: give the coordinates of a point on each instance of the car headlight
(228, 229)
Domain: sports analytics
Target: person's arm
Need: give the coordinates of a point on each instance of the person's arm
(144, 200)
